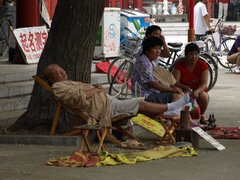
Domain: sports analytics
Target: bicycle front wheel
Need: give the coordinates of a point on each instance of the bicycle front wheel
(227, 44)
(209, 45)
(120, 85)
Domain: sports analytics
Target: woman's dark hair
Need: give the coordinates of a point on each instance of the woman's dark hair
(191, 47)
(152, 28)
(151, 42)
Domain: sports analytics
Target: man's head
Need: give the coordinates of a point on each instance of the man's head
(153, 30)
(55, 73)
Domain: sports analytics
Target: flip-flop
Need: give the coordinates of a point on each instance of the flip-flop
(132, 144)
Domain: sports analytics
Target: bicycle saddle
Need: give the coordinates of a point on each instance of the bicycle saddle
(175, 44)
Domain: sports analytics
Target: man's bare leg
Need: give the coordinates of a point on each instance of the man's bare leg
(155, 109)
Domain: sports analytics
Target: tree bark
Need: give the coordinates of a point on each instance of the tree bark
(70, 44)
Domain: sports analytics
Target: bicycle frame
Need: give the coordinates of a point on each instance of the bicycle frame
(219, 38)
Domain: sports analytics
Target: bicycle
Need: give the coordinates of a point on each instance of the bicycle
(219, 43)
(120, 82)
(123, 74)
(175, 52)
(5, 30)
(121, 66)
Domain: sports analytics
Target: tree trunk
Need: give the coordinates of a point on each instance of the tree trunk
(70, 44)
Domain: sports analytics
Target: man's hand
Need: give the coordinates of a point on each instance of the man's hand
(176, 89)
(212, 29)
(98, 86)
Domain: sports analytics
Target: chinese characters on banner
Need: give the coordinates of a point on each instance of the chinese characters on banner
(31, 41)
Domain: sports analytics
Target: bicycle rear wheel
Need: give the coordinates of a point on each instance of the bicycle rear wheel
(120, 85)
(212, 68)
(4, 37)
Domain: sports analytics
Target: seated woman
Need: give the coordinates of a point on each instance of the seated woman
(192, 73)
(234, 55)
(142, 74)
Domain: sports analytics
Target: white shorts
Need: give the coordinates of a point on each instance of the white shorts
(129, 107)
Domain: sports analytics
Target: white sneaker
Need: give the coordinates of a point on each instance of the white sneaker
(236, 70)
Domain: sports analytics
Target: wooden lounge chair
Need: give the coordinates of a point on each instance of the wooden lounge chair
(83, 130)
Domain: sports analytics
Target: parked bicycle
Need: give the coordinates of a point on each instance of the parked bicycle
(175, 53)
(121, 83)
(5, 31)
(219, 43)
(120, 68)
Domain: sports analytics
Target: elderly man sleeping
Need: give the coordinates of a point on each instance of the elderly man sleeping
(93, 100)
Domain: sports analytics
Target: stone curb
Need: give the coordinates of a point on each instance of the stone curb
(40, 140)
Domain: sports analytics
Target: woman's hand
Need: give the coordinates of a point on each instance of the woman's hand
(194, 94)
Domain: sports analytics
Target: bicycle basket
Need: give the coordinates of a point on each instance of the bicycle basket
(228, 30)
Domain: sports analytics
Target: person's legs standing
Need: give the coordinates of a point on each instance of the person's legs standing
(220, 10)
(225, 11)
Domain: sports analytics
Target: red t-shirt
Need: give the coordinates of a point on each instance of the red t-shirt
(224, 1)
(191, 79)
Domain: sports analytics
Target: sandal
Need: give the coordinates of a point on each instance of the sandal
(132, 144)
(203, 120)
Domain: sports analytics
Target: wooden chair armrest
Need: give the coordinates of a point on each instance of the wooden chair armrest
(43, 83)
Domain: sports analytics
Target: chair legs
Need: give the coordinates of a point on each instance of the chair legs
(168, 137)
(101, 134)
(55, 119)
(230, 66)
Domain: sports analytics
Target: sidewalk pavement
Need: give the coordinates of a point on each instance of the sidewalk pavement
(29, 161)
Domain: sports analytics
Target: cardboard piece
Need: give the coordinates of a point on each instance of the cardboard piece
(149, 124)
(208, 138)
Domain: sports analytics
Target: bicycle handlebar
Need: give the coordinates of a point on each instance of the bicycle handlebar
(209, 32)
(125, 28)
